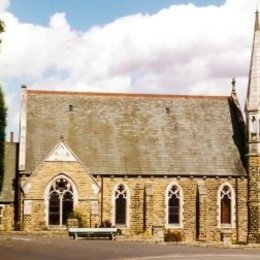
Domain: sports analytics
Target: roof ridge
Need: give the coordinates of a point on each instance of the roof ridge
(114, 94)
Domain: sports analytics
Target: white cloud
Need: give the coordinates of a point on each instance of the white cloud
(58, 20)
(4, 4)
(183, 49)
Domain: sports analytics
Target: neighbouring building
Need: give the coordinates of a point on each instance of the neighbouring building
(188, 164)
(8, 195)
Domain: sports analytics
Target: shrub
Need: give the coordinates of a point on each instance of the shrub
(106, 223)
(172, 236)
(80, 217)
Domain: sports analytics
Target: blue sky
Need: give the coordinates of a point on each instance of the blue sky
(83, 14)
(133, 46)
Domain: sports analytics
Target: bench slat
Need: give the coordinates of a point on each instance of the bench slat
(92, 230)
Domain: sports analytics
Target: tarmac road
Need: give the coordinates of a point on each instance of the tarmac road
(41, 248)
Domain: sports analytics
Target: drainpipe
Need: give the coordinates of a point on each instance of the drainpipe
(101, 208)
(17, 194)
(237, 232)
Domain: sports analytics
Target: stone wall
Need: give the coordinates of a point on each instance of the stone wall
(7, 194)
(148, 211)
(253, 198)
(146, 202)
(35, 188)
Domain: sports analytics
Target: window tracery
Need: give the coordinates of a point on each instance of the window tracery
(120, 205)
(60, 201)
(226, 206)
(174, 205)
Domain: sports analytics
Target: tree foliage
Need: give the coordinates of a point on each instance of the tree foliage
(2, 135)
(2, 28)
(2, 125)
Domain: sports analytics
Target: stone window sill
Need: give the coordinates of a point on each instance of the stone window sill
(174, 226)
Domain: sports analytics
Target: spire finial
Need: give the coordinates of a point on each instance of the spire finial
(233, 86)
(257, 27)
(62, 138)
(234, 93)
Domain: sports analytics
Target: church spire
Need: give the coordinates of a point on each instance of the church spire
(253, 132)
(253, 94)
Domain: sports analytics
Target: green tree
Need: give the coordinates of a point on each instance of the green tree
(2, 28)
(2, 135)
(2, 124)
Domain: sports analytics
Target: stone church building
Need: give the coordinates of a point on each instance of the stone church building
(188, 164)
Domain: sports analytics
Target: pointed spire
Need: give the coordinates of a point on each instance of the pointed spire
(253, 92)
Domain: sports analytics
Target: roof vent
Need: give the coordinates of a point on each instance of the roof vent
(70, 108)
(167, 110)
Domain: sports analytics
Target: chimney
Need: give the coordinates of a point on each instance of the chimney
(11, 137)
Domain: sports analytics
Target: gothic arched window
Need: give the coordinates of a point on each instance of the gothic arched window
(60, 201)
(174, 205)
(227, 205)
(174, 201)
(120, 205)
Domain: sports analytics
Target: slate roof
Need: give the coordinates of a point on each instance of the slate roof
(138, 134)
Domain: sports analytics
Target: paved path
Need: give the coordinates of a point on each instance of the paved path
(199, 257)
(42, 248)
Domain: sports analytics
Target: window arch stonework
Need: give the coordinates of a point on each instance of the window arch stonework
(120, 202)
(60, 199)
(174, 206)
(226, 206)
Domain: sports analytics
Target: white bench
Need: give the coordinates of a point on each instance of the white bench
(93, 232)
